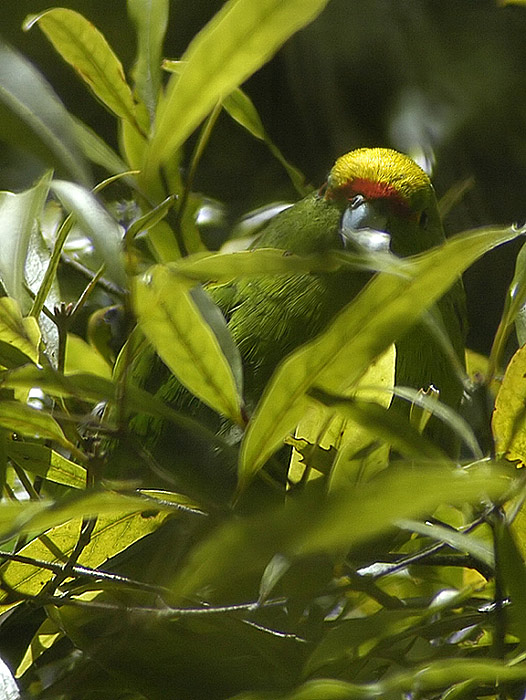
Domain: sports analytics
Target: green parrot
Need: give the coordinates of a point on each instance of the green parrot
(375, 198)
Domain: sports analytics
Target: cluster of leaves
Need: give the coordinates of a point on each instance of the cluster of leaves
(334, 588)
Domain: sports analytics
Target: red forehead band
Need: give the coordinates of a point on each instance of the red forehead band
(372, 189)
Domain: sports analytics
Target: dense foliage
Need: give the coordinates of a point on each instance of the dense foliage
(380, 566)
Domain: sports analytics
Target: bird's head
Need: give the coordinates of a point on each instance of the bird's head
(387, 202)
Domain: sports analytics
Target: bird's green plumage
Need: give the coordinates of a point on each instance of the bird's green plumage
(269, 317)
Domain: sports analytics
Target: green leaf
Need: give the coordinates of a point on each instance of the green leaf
(324, 427)
(429, 678)
(92, 387)
(513, 312)
(510, 568)
(241, 37)
(225, 267)
(82, 357)
(459, 541)
(17, 518)
(151, 20)
(25, 420)
(312, 523)
(43, 639)
(18, 333)
(103, 231)
(34, 118)
(96, 149)
(45, 462)
(112, 534)
(171, 316)
(241, 108)
(18, 216)
(353, 638)
(84, 47)
(10, 356)
(509, 417)
(385, 309)
(151, 218)
(393, 428)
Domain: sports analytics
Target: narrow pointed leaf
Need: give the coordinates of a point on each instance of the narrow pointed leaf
(385, 425)
(241, 37)
(18, 518)
(112, 534)
(463, 543)
(385, 309)
(43, 461)
(28, 421)
(33, 116)
(96, 149)
(430, 678)
(103, 231)
(84, 386)
(18, 216)
(313, 524)
(169, 314)
(512, 576)
(151, 20)
(151, 218)
(225, 267)
(514, 312)
(43, 639)
(241, 108)
(22, 334)
(509, 417)
(84, 47)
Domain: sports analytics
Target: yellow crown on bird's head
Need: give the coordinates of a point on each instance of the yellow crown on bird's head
(380, 173)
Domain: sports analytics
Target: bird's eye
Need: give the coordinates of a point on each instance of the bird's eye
(356, 201)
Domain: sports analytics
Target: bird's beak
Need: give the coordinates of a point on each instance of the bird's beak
(363, 227)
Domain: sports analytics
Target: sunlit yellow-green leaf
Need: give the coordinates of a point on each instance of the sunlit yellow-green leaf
(112, 534)
(101, 228)
(513, 312)
(393, 428)
(241, 108)
(22, 333)
(326, 427)
(95, 388)
(84, 47)
(241, 37)
(224, 267)
(31, 422)
(509, 417)
(151, 20)
(47, 463)
(82, 357)
(378, 316)
(18, 216)
(43, 639)
(169, 315)
(22, 517)
(313, 523)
